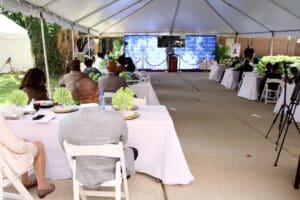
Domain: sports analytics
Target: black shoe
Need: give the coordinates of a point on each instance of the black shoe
(135, 152)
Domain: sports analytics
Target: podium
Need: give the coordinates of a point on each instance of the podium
(172, 63)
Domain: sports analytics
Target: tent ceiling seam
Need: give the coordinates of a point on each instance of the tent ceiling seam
(130, 14)
(285, 9)
(116, 13)
(175, 15)
(245, 14)
(227, 22)
(50, 3)
(95, 11)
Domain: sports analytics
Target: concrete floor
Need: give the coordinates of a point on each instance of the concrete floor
(222, 137)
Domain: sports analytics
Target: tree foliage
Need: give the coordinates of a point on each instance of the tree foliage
(33, 26)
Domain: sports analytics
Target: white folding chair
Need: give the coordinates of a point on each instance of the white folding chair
(140, 101)
(7, 178)
(106, 150)
(270, 95)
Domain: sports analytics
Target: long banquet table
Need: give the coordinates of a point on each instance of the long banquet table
(250, 86)
(290, 88)
(230, 79)
(145, 90)
(216, 72)
(153, 134)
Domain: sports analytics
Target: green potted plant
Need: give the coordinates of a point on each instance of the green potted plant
(221, 53)
(114, 55)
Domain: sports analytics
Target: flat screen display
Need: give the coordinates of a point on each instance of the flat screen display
(146, 54)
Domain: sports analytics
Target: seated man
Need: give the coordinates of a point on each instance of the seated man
(20, 155)
(89, 69)
(275, 74)
(246, 67)
(69, 80)
(92, 126)
(110, 82)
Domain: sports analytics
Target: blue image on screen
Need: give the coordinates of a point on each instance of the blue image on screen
(146, 55)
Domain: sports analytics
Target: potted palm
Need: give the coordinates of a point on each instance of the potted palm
(113, 56)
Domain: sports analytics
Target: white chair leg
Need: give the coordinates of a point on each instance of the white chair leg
(1, 182)
(19, 187)
(75, 191)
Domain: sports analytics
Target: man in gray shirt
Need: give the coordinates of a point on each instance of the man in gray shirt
(91, 126)
(110, 82)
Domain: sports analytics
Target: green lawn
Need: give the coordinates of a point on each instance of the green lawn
(10, 82)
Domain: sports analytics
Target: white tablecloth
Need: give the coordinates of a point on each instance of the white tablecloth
(250, 86)
(290, 88)
(145, 90)
(153, 134)
(231, 79)
(216, 72)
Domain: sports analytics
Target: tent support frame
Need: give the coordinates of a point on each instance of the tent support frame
(95, 11)
(116, 13)
(246, 15)
(45, 55)
(130, 14)
(230, 25)
(175, 15)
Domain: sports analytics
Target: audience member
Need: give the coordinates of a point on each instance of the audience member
(274, 75)
(89, 69)
(121, 67)
(246, 67)
(235, 62)
(111, 82)
(130, 67)
(249, 53)
(34, 84)
(69, 80)
(94, 126)
(21, 155)
(268, 69)
(99, 59)
(294, 71)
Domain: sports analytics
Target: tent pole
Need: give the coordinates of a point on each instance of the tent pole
(45, 55)
(271, 45)
(73, 45)
(89, 43)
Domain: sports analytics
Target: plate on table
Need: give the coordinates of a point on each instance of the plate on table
(135, 107)
(64, 109)
(132, 82)
(128, 115)
(45, 103)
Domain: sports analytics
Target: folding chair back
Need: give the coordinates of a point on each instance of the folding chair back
(7, 178)
(271, 95)
(106, 150)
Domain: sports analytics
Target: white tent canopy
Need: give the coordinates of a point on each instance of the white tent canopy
(119, 17)
(14, 44)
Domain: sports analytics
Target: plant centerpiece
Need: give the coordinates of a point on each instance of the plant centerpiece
(63, 96)
(221, 53)
(18, 98)
(125, 75)
(123, 99)
(113, 56)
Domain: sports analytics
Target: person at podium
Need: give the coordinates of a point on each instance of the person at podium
(169, 52)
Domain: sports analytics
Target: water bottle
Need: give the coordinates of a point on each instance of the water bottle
(102, 99)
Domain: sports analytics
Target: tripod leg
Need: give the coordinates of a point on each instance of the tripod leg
(282, 142)
(282, 108)
(280, 133)
(297, 127)
(274, 121)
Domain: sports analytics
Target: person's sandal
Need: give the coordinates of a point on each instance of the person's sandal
(31, 185)
(42, 193)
